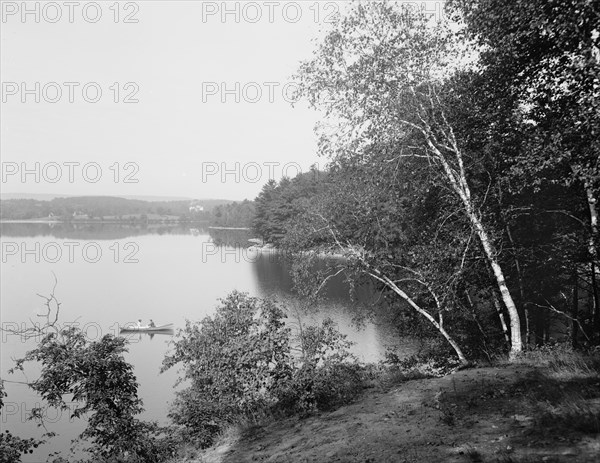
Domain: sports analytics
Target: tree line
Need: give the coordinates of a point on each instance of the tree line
(115, 208)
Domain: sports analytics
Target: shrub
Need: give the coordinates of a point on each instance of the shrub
(325, 375)
(240, 364)
(233, 360)
(433, 359)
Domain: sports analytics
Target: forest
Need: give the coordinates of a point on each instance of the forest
(463, 169)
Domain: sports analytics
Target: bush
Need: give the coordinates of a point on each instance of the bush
(325, 375)
(241, 364)
(233, 360)
(433, 359)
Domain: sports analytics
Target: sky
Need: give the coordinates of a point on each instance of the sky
(156, 98)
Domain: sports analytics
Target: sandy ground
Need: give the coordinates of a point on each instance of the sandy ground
(470, 415)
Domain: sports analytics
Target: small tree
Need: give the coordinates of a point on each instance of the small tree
(95, 376)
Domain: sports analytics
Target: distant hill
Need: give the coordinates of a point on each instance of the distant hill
(80, 208)
(50, 197)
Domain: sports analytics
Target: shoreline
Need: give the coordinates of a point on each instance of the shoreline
(271, 249)
(89, 222)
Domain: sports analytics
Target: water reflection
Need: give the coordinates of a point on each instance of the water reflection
(96, 231)
(137, 337)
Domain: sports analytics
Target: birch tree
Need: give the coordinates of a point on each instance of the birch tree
(379, 76)
(376, 221)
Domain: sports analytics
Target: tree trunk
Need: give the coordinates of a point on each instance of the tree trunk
(593, 207)
(593, 250)
(547, 324)
(486, 349)
(498, 307)
(457, 177)
(438, 325)
(575, 310)
(521, 286)
(596, 299)
(516, 345)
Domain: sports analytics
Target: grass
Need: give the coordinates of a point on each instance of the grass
(561, 361)
(555, 404)
(385, 377)
(566, 393)
(226, 440)
(473, 454)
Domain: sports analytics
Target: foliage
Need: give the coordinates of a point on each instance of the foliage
(233, 360)
(325, 376)
(240, 363)
(433, 359)
(233, 215)
(11, 446)
(96, 376)
(278, 203)
(538, 88)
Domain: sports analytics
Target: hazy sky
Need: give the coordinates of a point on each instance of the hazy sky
(210, 117)
(181, 60)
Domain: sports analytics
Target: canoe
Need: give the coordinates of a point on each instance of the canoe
(147, 329)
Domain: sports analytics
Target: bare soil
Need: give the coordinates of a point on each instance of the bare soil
(477, 415)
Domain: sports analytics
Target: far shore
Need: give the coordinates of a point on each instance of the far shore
(107, 221)
(31, 221)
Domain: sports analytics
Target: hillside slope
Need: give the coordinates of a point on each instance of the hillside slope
(473, 415)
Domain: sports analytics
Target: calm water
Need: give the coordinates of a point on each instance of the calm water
(109, 276)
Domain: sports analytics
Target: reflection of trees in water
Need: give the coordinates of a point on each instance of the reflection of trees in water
(237, 238)
(364, 315)
(91, 231)
(273, 273)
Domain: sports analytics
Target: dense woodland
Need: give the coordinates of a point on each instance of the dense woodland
(233, 215)
(469, 193)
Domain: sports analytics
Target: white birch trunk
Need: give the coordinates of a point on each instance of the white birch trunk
(438, 325)
(458, 181)
(593, 207)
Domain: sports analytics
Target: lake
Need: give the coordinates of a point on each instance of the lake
(112, 275)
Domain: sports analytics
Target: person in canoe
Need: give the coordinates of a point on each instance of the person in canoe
(139, 323)
(152, 325)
